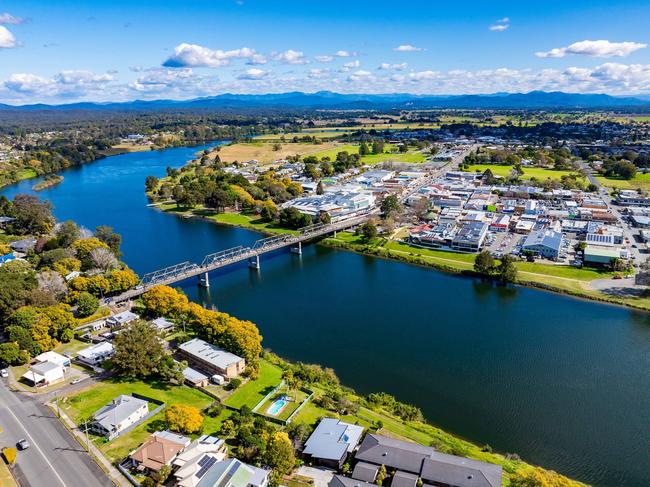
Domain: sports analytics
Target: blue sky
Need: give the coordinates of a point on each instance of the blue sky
(63, 51)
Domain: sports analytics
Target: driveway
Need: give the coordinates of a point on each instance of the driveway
(321, 476)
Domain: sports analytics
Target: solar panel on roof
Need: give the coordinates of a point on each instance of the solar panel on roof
(228, 476)
(207, 463)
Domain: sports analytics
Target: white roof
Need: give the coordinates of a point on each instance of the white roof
(93, 351)
(53, 357)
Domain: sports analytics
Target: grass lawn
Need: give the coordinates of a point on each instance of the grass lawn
(264, 153)
(71, 347)
(83, 405)
(529, 172)
(254, 390)
(26, 173)
(639, 181)
(295, 399)
(411, 156)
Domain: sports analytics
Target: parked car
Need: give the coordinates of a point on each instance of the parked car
(22, 444)
(76, 380)
(4, 373)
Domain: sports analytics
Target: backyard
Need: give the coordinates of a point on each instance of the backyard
(253, 391)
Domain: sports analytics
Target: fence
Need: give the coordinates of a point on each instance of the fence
(282, 422)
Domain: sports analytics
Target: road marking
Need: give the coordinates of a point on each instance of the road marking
(37, 447)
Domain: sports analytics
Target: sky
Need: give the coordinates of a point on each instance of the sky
(65, 51)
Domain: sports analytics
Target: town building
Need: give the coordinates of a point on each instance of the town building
(44, 374)
(121, 319)
(53, 357)
(211, 359)
(545, 243)
(470, 237)
(331, 442)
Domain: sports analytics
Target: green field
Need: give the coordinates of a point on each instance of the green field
(641, 181)
(411, 156)
(529, 172)
(254, 391)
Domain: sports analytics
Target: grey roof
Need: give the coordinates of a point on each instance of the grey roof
(398, 454)
(123, 317)
(24, 245)
(162, 323)
(193, 376)
(333, 439)
(44, 367)
(340, 481)
(404, 479)
(365, 471)
(459, 471)
(169, 436)
(118, 410)
(210, 353)
(231, 473)
(545, 238)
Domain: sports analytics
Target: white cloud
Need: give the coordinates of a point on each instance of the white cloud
(344, 54)
(360, 75)
(397, 67)
(352, 64)
(318, 73)
(26, 83)
(500, 25)
(257, 59)
(8, 19)
(7, 40)
(289, 57)
(408, 48)
(66, 84)
(253, 74)
(324, 59)
(601, 48)
(192, 56)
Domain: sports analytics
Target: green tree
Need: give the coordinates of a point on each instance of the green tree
(363, 149)
(10, 354)
(390, 205)
(279, 453)
(32, 216)
(87, 304)
(67, 233)
(369, 231)
(507, 270)
(381, 475)
(484, 263)
(139, 352)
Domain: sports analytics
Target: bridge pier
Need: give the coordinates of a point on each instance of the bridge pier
(297, 249)
(334, 234)
(254, 262)
(203, 280)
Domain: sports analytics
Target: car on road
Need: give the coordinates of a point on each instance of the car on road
(22, 444)
(76, 380)
(4, 373)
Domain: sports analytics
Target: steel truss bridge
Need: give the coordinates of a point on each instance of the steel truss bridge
(185, 270)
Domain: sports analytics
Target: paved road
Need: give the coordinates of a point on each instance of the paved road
(55, 459)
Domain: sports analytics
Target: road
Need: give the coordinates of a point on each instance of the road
(55, 459)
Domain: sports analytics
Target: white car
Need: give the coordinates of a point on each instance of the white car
(4, 373)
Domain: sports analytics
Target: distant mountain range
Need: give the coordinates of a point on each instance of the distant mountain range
(330, 100)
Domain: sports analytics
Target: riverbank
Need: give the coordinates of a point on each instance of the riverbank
(48, 182)
(561, 279)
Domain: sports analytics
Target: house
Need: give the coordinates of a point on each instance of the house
(96, 354)
(411, 461)
(195, 378)
(53, 357)
(449, 470)
(121, 319)
(211, 359)
(163, 324)
(204, 444)
(23, 246)
(546, 243)
(45, 374)
(331, 442)
(123, 412)
(341, 481)
(393, 454)
(159, 450)
(217, 473)
(470, 237)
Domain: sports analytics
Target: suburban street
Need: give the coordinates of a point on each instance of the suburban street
(54, 458)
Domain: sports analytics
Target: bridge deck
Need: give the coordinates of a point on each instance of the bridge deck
(224, 258)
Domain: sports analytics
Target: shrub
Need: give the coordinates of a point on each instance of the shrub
(214, 409)
(9, 455)
(233, 384)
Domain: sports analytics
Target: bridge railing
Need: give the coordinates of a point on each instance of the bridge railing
(168, 272)
(223, 255)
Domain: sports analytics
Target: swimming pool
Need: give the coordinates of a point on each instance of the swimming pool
(277, 406)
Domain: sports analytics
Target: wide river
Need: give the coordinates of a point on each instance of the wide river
(562, 382)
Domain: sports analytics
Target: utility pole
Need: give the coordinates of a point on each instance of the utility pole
(87, 439)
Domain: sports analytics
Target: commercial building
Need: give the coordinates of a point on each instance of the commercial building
(470, 237)
(545, 243)
(211, 359)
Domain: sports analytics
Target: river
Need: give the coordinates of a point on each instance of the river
(562, 382)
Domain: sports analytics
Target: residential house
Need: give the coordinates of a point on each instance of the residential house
(443, 470)
(23, 246)
(217, 473)
(188, 462)
(96, 354)
(331, 442)
(55, 358)
(211, 359)
(120, 414)
(121, 319)
(163, 325)
(45, 374)
(159, 450)
(341, 481)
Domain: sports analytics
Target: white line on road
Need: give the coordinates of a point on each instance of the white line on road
(36, 446)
